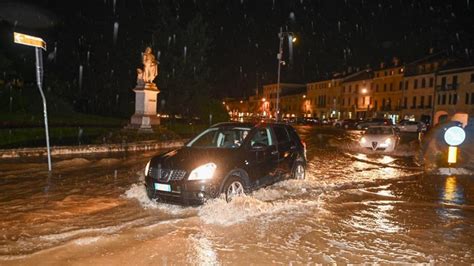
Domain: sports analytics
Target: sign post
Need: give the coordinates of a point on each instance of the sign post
(39, 44)
(454, 136)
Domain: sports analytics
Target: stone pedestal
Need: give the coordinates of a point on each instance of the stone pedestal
(145, 107)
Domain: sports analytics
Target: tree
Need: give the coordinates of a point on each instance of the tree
(182, 50)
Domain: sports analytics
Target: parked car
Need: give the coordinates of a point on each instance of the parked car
(373, 122)
(345, 123)
(327, 121)
(227, 158)
(411, 126)
(379, 138)
(309, 121)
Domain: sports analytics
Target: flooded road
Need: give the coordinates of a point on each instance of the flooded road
(353, 207)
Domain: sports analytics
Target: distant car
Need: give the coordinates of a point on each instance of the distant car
(345, 123)
(373, 122)
(327, 121)
(411, 126)
(307, 121)
(227, 158)
(380, 138)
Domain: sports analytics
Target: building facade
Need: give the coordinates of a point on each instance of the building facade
(356, 95)
(418, 96)
(269, 97)
(454, 94)
(323, 99)
(433, 89)
(387, 91)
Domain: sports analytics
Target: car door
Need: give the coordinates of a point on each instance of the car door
(262, 156)
(284, 147)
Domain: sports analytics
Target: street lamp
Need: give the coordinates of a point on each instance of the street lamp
(291, 37)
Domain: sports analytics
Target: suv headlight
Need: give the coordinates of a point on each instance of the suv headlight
(147, 168)
(388, 141)
(203, 172)
(363, 140)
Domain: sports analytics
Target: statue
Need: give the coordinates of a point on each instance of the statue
(146, 94)
(140, 81)
(150, 67)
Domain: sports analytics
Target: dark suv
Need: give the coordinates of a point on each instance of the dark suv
(227, 158)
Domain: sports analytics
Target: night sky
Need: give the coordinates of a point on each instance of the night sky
(241, 40)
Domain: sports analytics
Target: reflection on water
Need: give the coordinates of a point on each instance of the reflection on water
(452, 193)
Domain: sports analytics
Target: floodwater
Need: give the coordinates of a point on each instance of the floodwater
(353, 207)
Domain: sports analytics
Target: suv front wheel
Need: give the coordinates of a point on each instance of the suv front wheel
(299, 171)
(234, 187)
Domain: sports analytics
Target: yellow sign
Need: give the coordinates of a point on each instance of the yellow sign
(29, 40)
(452, 154)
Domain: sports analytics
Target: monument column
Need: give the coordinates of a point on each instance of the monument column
(146, 94)
(145, 107)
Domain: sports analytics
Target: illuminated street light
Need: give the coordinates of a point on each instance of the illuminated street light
(364, 91)
(291, 37)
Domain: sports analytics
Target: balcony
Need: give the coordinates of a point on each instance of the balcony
(447, 87)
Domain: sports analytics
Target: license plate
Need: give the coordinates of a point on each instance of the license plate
(163, 187)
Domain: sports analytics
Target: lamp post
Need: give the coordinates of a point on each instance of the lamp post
(281, 35)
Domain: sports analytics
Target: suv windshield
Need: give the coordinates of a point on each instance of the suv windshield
(228, 137)
(379, 131)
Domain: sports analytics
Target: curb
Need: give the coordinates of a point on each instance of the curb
(85, 149)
